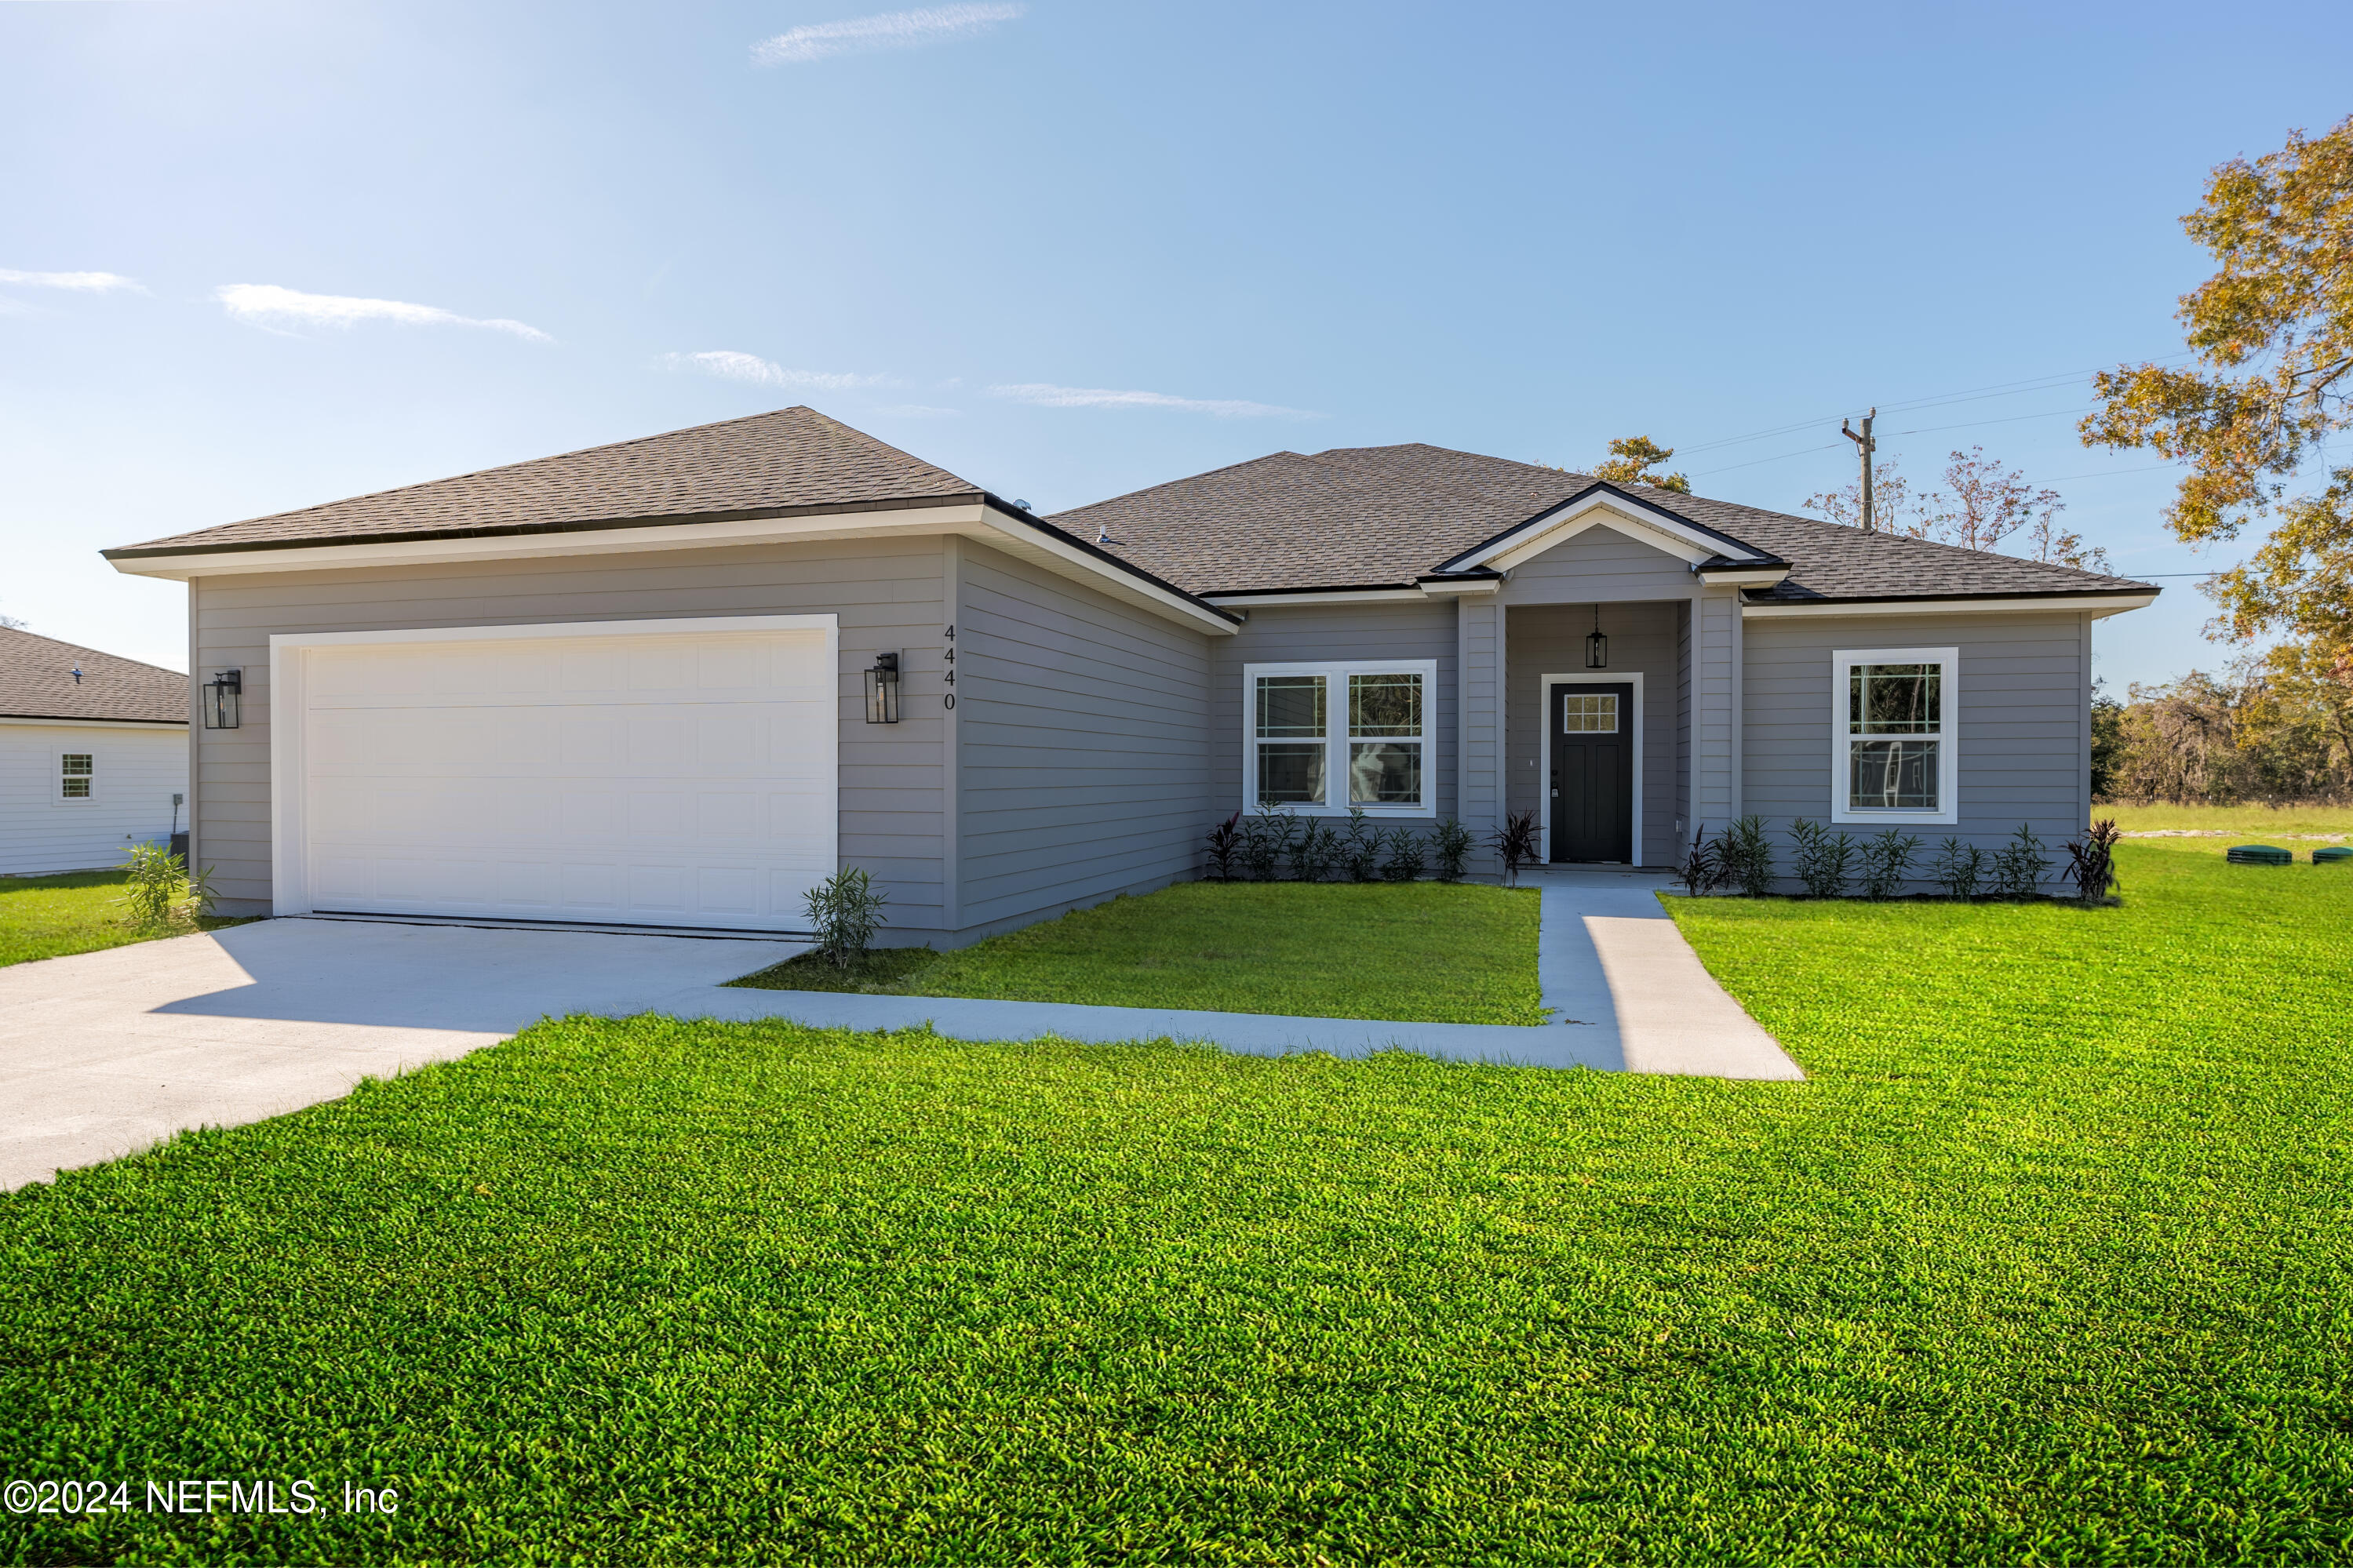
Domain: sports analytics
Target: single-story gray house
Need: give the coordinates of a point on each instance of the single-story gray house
(672, 682)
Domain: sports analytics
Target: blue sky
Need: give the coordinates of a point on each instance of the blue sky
(1516, 230)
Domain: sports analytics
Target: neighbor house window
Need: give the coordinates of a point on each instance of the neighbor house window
(1894, 723)
(1334, 737)
(75, 774)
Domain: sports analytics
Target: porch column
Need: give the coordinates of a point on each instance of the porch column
(1479, 723)
(1715, 707)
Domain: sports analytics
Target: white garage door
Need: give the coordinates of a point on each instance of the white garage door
(674, 778)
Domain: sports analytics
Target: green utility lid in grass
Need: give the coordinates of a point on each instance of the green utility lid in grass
(2332, 852)
(2261, 855)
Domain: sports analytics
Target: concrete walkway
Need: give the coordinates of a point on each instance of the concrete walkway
(105, 1053)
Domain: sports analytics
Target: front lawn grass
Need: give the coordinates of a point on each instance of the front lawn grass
(2049, 1262)
(77, 911)
(1433, 952)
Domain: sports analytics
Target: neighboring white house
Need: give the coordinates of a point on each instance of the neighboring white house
(93, 754)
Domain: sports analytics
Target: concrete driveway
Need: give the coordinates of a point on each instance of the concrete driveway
(105, 1053)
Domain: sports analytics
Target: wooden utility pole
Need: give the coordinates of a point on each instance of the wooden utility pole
(1864, 446)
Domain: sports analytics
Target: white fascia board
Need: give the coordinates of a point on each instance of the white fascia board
(166, 725)
(580, 542)
(1635, 519)
(972, 519)
(1027, 540)
(1415, 594)
(1744, 576)
(1331, 596)
(2094, 604)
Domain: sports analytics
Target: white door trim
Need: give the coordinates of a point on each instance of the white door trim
(1545, 684)
(289, 878)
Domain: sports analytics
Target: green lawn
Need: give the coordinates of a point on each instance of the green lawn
(2254, 821)
(1454, 953)
(2047, 1262)
(81, 911)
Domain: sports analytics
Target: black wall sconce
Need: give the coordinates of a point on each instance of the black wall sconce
(1597, 646)
(882, 689)
(224, 694)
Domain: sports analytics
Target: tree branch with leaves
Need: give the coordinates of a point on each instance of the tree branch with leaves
(2272, 333)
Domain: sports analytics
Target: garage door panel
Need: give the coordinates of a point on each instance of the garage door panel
(671, 779)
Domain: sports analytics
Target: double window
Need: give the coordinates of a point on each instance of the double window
(76, 774)
(1893, 755)
(1332, 737)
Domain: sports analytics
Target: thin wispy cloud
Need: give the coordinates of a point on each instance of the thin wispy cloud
(1045, 396)
(892, 30)
(82, 282)
(269, 306)
(733, 366)
(918, 411)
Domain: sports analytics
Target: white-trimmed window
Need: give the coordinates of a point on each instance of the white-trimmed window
(1329, 737)
(1894, 734)
(76, 775)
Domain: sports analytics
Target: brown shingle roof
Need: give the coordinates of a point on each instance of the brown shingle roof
(36, 682)
(793, 458)
(1382, 516)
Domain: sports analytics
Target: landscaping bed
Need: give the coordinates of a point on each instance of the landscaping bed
(1418, 951)
(2049, 1261)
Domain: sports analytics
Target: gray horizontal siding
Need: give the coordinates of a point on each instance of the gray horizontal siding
(2025, 696)
(1335, 634)
(1082, 750)
(1602, 565)
(888, 594)
(1549, 640)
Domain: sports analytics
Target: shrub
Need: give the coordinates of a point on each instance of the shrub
(1266, 838)
(1886, 857)
(1360, 848)
(843, 911)
(1451, 846)
(2019, 866)
(1517, 844)
(1699, 871)
(1959, 869)
(161, 890)
(1404, 862)
(2092, 860)
(1746, 857)
(1225, 847)
(1314, 851)
(1825, 859)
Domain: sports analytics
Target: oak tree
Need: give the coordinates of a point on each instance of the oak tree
(2271, 333)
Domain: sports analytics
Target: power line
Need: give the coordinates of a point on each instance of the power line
(1994, 389)
(1922, 430)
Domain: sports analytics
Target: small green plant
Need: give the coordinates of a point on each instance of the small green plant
(2092, 860)
(2020, 866)
(1405, 856)
(160, 892)
(1698, 870)
(1886, 857)
(1360, 848)
(843, 911)
(1266, 838)
(1451, 846)
(1225, 847)
(1825, 860)
(1960, 868)
(1517, 843)
(1745, 855)
(1312, 852)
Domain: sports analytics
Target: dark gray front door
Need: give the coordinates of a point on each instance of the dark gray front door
(1593, 773)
